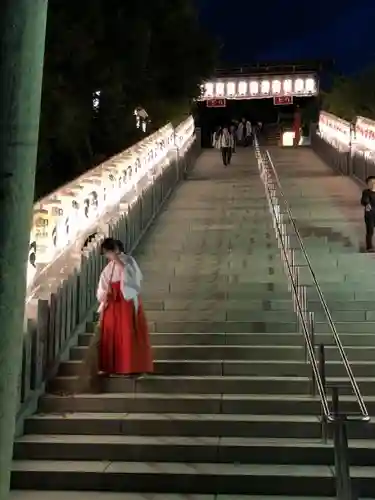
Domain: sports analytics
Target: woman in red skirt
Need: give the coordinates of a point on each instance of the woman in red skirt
(125, 343)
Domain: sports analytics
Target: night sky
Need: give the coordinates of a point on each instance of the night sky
(272, 30)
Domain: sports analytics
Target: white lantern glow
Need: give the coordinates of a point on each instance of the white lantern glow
(242, 88)
(334, 130)
(310, 86)
(288, 138)
(265, 87)
(220, 89)
(231, 89)
(209, 89)
(276, 86)
(299, 86)
(70, 212)
(254, 88)
(288, 86)
(365, 133)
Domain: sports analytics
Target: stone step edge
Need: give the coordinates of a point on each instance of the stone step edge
(94, 495)
(232, 378)
(167, 468)
(222, 441)
(196, 396)
(239, 362)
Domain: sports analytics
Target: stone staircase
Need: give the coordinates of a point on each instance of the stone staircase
(228, 411)
(271, 135)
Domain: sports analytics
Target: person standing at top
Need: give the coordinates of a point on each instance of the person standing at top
(297, 127)
(233, 131)
(368, 202)
(124, 343)
(216, 135)
(244, 132)
(225, 142)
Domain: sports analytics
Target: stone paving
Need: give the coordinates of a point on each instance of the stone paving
(228, 410)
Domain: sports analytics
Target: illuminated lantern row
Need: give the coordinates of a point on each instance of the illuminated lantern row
(334, 130)
(365, 133)
(256, 88)
(185, 134)
(341, 133)
(68, 213)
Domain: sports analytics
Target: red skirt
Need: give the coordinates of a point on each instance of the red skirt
(125, 343)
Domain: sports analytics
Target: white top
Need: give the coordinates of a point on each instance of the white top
(130, 279)
(223, 140)
(240, 130)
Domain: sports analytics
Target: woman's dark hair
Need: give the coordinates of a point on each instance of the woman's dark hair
(120, 246)
(111, 245)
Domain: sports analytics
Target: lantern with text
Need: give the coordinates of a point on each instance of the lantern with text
(70, 212)
(334, 130)
(365, 133)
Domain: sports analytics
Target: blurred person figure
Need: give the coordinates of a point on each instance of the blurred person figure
(244, 133)
(368, 202)
(225, 143)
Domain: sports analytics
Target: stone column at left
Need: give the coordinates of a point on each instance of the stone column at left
(22, 41)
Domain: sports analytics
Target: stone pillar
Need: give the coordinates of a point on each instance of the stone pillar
(22, 38)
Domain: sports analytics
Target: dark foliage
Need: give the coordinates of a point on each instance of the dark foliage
(151, 53)
(352, 96)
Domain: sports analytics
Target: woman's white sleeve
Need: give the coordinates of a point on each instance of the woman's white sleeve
(101, 293)
(137, 270)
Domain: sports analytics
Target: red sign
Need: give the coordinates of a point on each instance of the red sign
(216, 103)
(283, 100)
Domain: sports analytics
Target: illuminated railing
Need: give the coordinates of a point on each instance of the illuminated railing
(335, 130)
(365, 133)
(62, 216)
(341, 134)
(63, 305)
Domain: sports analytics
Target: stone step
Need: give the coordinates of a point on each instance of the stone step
(239, 368)
(197, 288)
(141, 403)
(223, 273)
(264, 291)
(230, 305)
(244, 352)
(91, 495)
(269, 291)
(185, 477)
(261, 316)
(193, 384)
(254, 327)
(243, 327)
(220, 449)
(252, 305)
(261, 427)
(249, 339)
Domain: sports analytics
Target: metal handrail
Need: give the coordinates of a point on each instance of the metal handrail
(330, 416)
(309, 345)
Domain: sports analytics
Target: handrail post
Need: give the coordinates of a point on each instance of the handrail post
(341, 451)
(312, 341)
(303, 301)
(322, 372)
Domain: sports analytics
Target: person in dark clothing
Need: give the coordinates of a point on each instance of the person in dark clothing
(368, 201)
(233, 131)
(224, 142)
